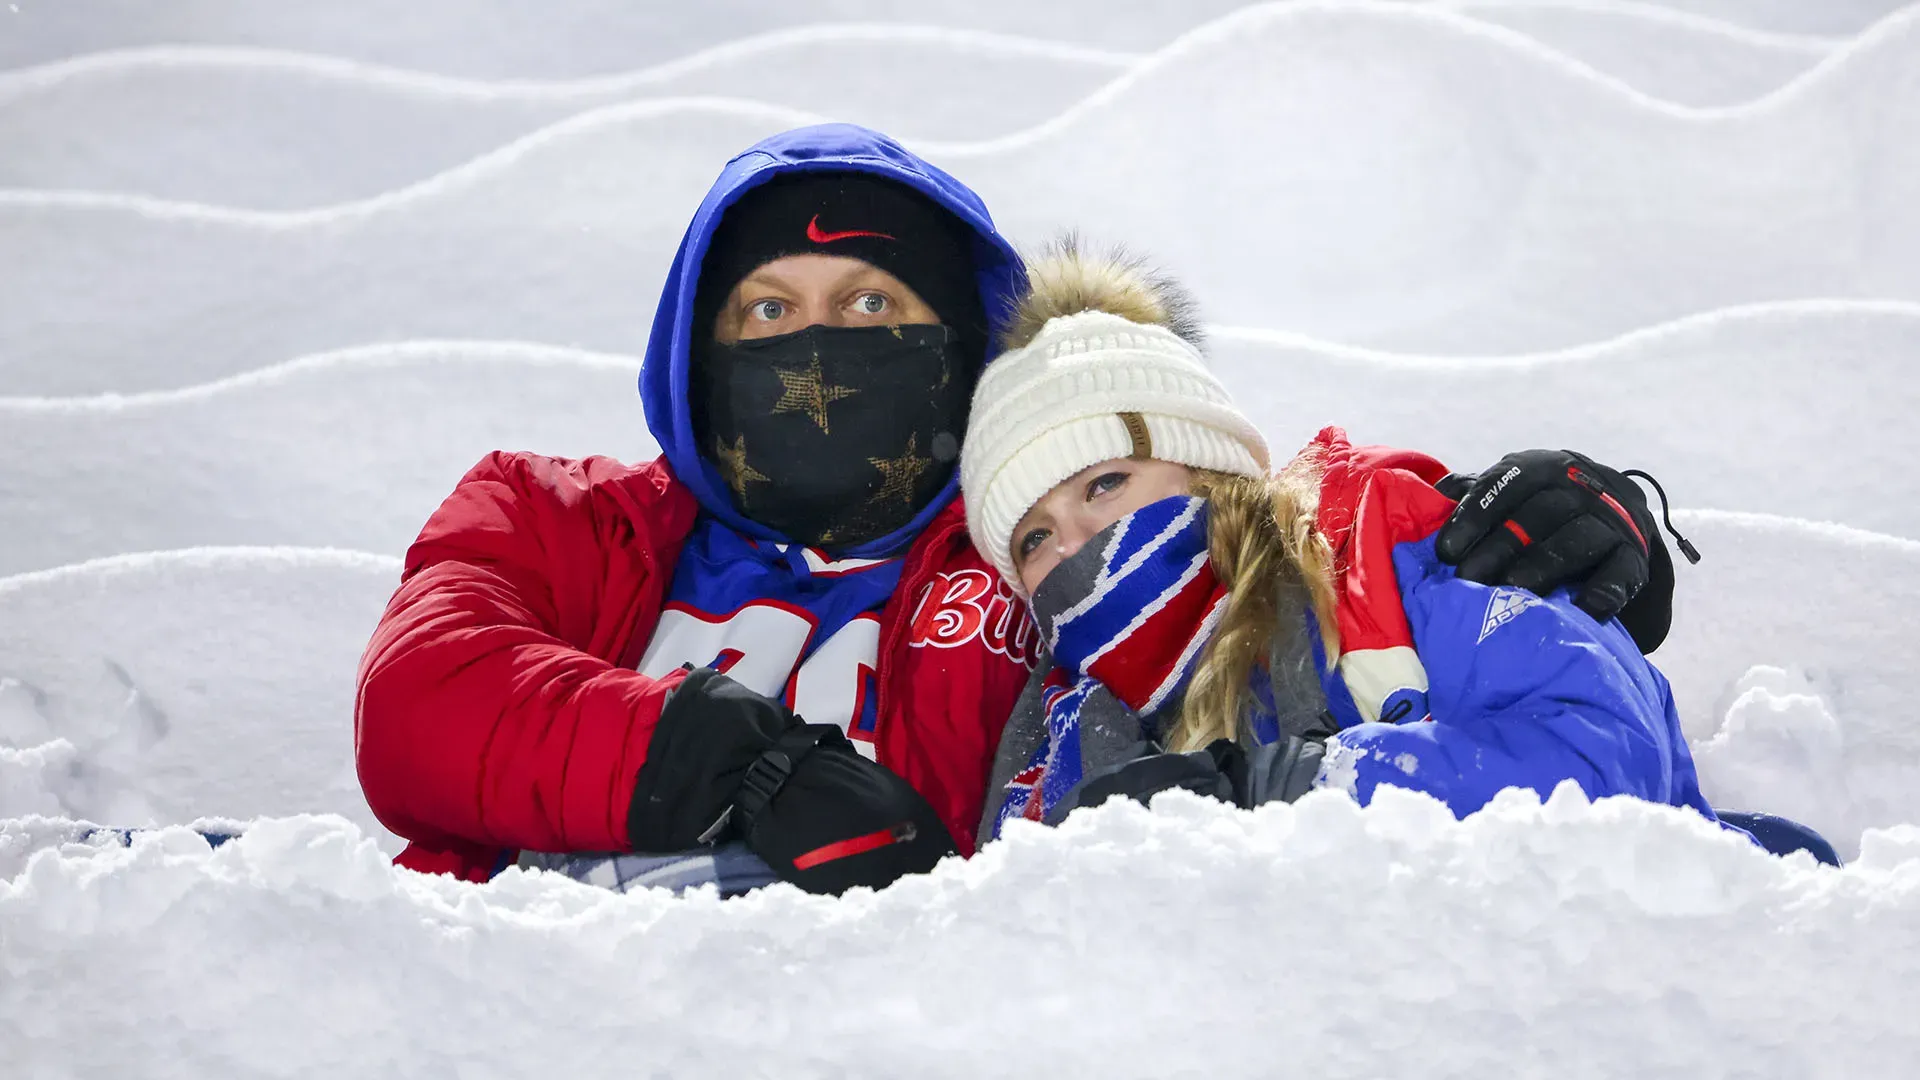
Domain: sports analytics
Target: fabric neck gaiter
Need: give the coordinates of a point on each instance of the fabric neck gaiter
(1136, 605)
(833, 436)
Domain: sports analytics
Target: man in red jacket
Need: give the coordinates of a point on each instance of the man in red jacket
(772, 652)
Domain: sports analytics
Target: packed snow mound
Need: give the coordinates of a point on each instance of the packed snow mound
(1565, 939)
(1778, 725)
(159, 688)
(349, 450)
(1661, 51)
(515, 259)
(1831, 605)
(1445, 186)
(1404, 178)
(279, 131)
(501, 40)
(1799, 409)
(355, 449)
(1776, 16)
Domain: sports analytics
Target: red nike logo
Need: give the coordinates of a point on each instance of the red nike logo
(819, 236)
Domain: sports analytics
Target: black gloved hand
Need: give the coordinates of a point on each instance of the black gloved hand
(726, 761)
(1203, 772)
(1541, 519)
(1281, 771)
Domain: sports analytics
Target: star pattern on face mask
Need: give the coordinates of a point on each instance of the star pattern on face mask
(805, 391)
(899, 475)
(732, 463)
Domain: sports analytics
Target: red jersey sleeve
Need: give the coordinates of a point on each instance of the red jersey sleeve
(958, 653)
(492, 710)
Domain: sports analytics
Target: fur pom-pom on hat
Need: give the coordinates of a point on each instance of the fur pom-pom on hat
(1102, 362)
(1064, 280)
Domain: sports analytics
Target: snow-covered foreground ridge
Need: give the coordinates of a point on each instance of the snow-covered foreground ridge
(1617, 939)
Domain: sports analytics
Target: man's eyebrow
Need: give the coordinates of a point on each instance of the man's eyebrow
(759, 278)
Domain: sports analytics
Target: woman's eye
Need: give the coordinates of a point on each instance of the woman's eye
(767, 310)
(1031, 542)
(1104, 483)
(872, 303)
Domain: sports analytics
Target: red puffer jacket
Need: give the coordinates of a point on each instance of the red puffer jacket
(499, 708)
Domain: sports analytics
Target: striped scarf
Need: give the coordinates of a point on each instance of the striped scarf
(1130, 612)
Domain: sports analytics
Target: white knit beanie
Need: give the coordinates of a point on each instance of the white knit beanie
(1097, 372)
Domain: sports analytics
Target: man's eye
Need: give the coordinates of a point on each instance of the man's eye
(767, 310)
(1104, 483)
(872, 303)
(1031, 542)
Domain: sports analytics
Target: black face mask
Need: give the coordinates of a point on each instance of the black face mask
(834, 436)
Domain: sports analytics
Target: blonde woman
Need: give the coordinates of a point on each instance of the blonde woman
(1216, 626)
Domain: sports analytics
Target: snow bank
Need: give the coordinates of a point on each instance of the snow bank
(164, 687)
(1663, 52)
(1799, 409)
(1833, 606)
(349, 450)
(279, 131)
(497, 39)
(1414, 179)
(1397, 178)
(1568, 940)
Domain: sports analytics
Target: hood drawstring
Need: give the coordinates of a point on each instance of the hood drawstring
(1666, 517)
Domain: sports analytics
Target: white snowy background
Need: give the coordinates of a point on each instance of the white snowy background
(272, 275)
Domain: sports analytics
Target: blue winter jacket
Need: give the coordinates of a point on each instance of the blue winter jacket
(1523, 691)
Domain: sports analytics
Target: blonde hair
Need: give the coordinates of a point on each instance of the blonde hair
(1260, 536)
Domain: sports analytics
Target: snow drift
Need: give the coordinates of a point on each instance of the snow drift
(350, 450)
(1617, 939)
(165, 687)
(271, 130)
(1443, 186)
(501, 40)
(280, 131)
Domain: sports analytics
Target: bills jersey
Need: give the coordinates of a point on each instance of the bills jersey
(784, 620)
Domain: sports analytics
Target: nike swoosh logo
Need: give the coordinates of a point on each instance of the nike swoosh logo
(820, 236)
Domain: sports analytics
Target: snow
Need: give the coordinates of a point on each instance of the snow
(500, 40)
(1566, 939)
(276, 275)
(172, 685)
(348, 449)
(1797, 408)
(113, 121)
(1449, 187)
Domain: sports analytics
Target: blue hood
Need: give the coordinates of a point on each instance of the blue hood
(825, 147)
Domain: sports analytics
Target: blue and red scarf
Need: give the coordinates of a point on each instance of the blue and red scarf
(1126, 617)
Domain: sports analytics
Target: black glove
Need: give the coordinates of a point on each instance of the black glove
(1203, 772)
(1541, 519)
(1276, 772)
(726, 761)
